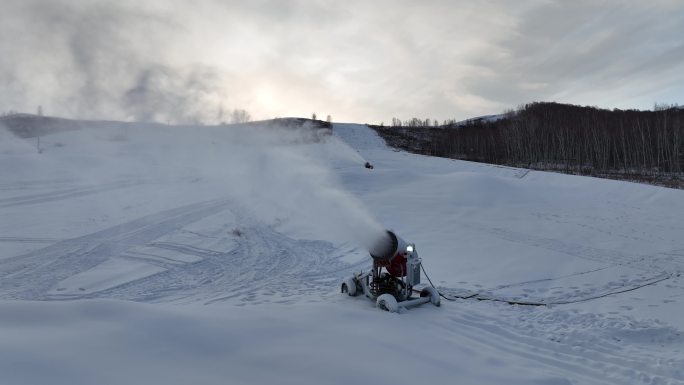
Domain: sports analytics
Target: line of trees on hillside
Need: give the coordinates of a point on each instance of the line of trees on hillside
(563, 137)
(418, 122)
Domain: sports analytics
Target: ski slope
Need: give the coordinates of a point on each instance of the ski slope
(169, 255)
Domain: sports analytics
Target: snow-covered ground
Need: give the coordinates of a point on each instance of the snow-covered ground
(480, 119)
(167, 255)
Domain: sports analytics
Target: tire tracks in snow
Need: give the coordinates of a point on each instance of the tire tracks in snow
(595, 360)
(580, 251)
(29, 240)
(263, 265)
(32, 275)
(653, 268)
(63, 194)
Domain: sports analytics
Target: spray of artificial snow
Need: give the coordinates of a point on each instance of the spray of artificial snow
(278, 175)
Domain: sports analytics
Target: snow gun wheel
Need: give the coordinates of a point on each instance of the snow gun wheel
(387, 302)
(432, 293)
(349, 287)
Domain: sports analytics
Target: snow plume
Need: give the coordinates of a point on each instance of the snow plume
(162, 94)
(276, 175)
(280, 176)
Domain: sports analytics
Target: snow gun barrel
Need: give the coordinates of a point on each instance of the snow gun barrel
(388, 246)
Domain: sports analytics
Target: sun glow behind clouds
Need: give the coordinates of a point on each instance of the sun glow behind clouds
(266, 99)
(358, 61)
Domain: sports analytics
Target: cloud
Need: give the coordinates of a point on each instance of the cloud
(361, 61)
(606, 53)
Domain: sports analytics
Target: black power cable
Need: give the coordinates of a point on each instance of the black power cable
(524, 303)
(433, 285)
(477, 295)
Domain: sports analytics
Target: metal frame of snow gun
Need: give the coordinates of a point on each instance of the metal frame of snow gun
(392, 280)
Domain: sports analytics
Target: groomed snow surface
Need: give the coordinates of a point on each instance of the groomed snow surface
(168, 255)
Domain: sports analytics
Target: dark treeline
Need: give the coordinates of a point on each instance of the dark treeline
(553, 136)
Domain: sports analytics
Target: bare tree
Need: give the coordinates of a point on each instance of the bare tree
(240, 116)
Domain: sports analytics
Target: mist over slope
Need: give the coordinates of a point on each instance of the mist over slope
(272, 168)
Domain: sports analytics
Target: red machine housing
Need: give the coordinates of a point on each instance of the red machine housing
(396, 266)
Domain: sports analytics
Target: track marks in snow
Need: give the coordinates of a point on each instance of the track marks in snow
(585, 252)
(28, 240)
(63, 194)
(31, 276)
(638, 271)
(35, 184)
(599, 349)
(255, 265)
(264, 266)
(610, 223)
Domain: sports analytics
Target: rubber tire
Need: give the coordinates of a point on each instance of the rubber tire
(432, 293)
(387, 302)
(349, 287)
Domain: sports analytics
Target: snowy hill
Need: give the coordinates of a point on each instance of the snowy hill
(31, 126)
(214, 256)
(479, 119)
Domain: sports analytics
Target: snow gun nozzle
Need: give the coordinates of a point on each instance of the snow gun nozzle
(387, 246)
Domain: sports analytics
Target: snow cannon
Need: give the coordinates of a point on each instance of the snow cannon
(394, 277)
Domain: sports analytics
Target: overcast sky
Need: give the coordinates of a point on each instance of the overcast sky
(361, 61)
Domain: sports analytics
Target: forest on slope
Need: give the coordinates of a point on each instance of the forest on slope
(645, 146)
